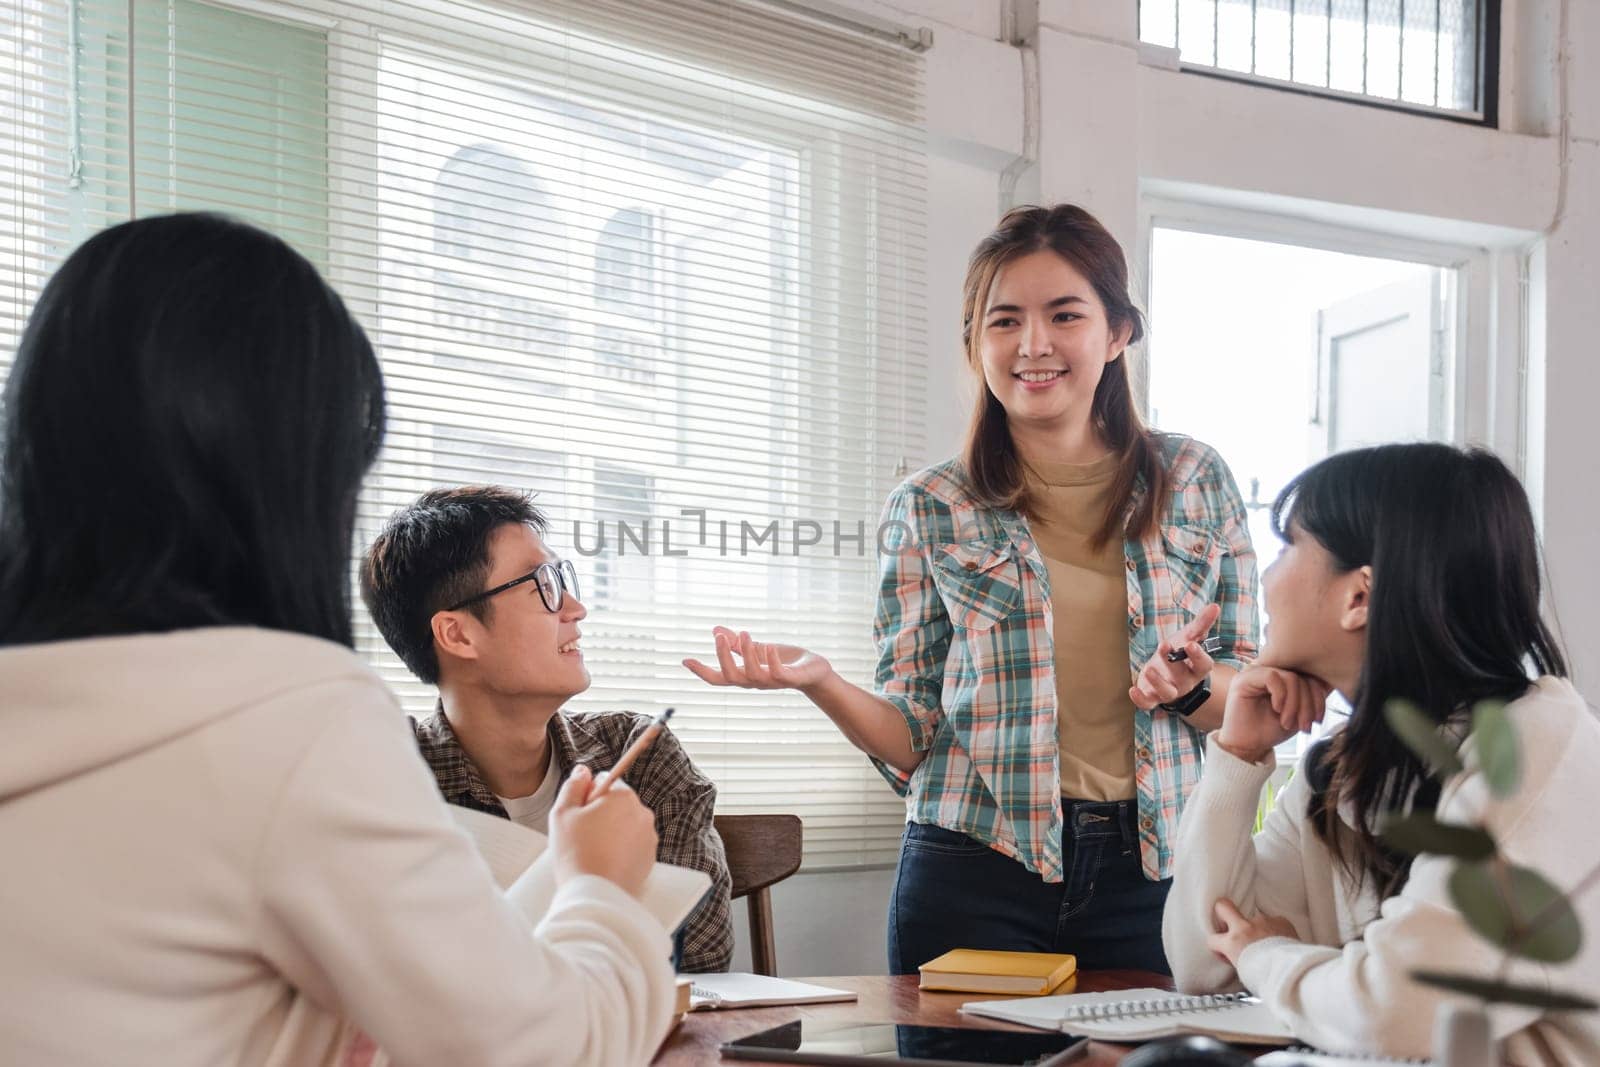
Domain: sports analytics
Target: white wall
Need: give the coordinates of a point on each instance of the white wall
(1114, 130)
(1568, 381)
(824, 924)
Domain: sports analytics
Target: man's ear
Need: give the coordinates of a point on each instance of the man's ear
(451, 635)
(1357, 597)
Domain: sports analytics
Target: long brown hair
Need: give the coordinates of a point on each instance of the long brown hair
(990, 454)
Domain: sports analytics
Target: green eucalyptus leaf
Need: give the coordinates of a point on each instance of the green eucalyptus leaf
(1421, 735)
(1474, 893)
(1420, 832)
(1520, 911)
(1497, 747)
(1493, 992)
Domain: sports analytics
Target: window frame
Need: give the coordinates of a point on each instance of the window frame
(1488, 88)
(1484, 378)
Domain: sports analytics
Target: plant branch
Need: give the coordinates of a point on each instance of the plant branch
(1544, 915)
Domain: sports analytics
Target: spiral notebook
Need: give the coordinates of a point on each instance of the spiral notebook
(1142, 1015)
(1305, 1057)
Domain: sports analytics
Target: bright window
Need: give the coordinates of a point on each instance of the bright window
(1319, 352)
(658, 263)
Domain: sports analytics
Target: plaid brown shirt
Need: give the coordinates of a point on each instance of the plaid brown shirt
(666, 781)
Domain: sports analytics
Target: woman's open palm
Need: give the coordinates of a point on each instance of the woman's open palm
(751, 664)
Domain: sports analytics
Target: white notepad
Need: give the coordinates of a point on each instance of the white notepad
(708, 992)
(1142, 1015)
(519, 860)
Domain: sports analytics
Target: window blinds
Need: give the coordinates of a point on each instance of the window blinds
(659, 261)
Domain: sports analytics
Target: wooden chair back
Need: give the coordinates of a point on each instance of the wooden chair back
(762, 851)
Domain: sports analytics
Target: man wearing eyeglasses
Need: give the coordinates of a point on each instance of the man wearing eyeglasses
(468, 595)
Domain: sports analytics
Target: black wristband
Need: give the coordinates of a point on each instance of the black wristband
(1189, 703)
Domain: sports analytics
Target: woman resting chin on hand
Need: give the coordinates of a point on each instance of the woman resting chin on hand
(1409, 572)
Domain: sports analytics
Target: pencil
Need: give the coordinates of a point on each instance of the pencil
(635, 750)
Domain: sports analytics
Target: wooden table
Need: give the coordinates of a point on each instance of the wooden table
(883, 999)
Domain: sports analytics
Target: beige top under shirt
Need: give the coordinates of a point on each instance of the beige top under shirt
(1089, 602)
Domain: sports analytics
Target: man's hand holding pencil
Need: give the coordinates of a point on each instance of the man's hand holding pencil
(606, 831)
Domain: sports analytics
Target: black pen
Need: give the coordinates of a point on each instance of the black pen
(1211, 646)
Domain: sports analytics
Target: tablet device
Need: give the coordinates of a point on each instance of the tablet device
(914, 1046)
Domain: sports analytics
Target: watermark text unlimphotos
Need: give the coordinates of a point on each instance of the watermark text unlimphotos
(695, 532)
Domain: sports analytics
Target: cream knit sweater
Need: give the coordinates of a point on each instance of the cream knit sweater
(222, 847)
(1343, 985)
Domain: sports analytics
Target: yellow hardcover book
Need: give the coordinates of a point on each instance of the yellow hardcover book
(975, 971)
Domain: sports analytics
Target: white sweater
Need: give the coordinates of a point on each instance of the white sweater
(1343, 985)
(220, 844)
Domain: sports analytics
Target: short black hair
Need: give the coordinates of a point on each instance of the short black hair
(432, 554)
(186, 427)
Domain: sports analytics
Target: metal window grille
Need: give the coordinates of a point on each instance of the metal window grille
(1430, 55)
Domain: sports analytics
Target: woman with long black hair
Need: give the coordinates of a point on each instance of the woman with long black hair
(221, 845)
(1408, 572)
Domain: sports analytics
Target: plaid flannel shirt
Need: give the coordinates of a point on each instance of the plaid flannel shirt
(667, 783)
(966, 653)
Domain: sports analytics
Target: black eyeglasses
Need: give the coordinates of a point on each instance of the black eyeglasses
(553, 580)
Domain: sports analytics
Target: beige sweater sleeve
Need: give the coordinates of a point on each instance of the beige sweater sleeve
(1358, 996)
(376, 906)
(1215, 856)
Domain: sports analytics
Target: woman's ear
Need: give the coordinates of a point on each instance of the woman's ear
(1119, 341)
(1357, 596)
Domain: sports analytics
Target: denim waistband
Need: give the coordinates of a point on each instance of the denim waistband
(1100, 818)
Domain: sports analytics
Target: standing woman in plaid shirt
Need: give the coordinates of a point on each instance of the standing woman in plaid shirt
(1033, 591)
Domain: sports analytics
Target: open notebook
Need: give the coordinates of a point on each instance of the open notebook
(1142, 1015)
(711, 992)
(519, 860)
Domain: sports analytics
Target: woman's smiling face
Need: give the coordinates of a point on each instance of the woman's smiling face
(1045, 340)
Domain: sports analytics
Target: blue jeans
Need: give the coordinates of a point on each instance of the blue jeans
(951, 891)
